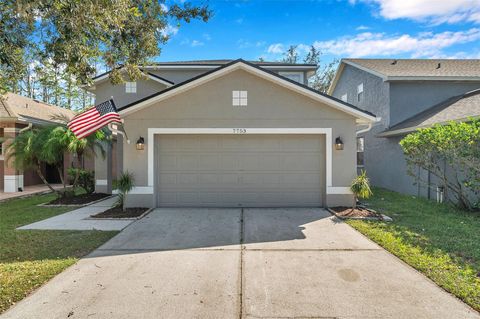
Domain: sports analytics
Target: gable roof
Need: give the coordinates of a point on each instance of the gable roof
(414, 69)
(212, 64)
(361, 115)
(457, 108)
(19, 107)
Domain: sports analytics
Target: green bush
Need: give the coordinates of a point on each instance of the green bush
(85, 179)
(451, 152)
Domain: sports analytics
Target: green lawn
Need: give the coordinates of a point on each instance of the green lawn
(28, 258)
(439, 240)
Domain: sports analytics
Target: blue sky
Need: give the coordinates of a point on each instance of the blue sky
(339, 28)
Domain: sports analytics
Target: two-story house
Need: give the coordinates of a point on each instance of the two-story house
(231, 133)
(406, 94)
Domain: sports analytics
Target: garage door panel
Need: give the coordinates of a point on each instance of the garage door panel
(239, 170)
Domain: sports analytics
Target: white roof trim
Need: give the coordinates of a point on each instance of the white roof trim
(361, 116)
(167, 84)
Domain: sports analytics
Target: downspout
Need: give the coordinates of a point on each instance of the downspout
(117, 131)
(369, 127)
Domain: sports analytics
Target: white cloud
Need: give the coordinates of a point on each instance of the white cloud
(243, 44)
(425, 44)
(276, 48)
(196, 43)
(169, 31)
(434, 11)
(164, 7)
(362, 28)
(207, 36)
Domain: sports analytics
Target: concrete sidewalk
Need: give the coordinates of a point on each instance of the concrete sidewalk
(240, 263)
(77, 219)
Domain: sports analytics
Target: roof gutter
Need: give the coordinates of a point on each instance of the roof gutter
(369, 127)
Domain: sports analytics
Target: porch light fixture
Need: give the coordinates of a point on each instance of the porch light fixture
(140, 144)
(338, 144)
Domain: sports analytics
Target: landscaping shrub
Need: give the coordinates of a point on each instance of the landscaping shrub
(450, 152)
(361, 187)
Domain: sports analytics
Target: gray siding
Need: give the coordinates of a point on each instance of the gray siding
(410, 98)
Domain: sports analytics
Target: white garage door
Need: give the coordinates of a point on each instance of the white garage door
(239, 170)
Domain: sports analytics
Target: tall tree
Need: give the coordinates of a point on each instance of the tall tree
(291, 55)
(76, 34)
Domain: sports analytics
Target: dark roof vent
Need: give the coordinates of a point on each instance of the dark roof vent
(439, 66)
(394, 62)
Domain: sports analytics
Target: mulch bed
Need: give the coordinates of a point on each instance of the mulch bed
(117, 212)
(79, 199)
(359, 212)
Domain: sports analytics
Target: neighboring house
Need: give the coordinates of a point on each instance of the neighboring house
(406, 95)
(232, 134)
(18, 113)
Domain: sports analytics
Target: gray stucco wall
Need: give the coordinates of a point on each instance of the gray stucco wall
(269, 106)
(394, 102)
(410, 98)
(105, 90)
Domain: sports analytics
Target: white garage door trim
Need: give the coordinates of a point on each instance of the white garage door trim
(326, 131)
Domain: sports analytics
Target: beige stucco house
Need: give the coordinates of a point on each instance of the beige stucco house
(232, 134)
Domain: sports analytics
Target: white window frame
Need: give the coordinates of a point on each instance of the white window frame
(239, 98)
(344, 97)
(287, 74)
(130, 87)
(360, 92)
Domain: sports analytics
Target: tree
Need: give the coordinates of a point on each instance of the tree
(325, 73)
(450, 152)
(49, 144)
(322, 79)
(291, 55)
(74, 35)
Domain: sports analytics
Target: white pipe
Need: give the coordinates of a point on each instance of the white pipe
(26, 128)
(369, 127)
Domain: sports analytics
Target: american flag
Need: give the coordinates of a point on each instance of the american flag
(94, 119)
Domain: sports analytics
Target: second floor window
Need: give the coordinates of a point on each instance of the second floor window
(360, 92)
(130, 87)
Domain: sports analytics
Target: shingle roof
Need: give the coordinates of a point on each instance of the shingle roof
(421, 67)
(457, 108)
(14, 105)
(225, 61)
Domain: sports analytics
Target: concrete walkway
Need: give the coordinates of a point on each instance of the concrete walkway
(240, 263)
(78, 219)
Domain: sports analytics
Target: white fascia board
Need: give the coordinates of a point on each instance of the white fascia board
(265, 75)
(167, 84)
(358, 66)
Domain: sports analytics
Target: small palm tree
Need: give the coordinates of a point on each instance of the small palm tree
(360, 187)
(125, 183)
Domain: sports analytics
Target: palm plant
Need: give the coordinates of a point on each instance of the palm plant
(125, 184)
(25, 151)
(360, 187)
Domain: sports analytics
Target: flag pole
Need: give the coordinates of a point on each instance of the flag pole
(123, 131)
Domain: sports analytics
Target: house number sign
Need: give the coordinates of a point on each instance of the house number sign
(239, 131)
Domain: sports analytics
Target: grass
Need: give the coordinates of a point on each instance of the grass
(29, 258)
(439, 240)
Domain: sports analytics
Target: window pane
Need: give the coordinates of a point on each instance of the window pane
(360, 159)
(360, 144)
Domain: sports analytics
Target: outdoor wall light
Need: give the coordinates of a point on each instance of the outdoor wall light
(338, 144)
(140, 144)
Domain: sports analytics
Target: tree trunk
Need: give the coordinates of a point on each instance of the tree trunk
(44, 180)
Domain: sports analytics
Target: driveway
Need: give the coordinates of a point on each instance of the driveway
(234, 263)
